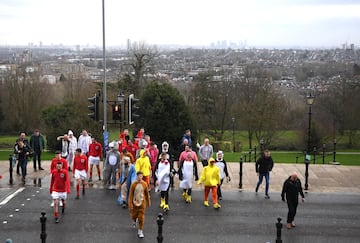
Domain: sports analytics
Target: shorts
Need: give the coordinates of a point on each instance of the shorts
(80, 174)
(59, 195)
(94, 160)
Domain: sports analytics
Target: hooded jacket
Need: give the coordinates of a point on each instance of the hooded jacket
(210, 175)
(143, 163)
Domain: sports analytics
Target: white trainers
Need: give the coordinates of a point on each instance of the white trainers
(52, 204)
(140, 233)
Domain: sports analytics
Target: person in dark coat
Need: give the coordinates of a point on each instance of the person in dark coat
(263, 166)
(290, 191)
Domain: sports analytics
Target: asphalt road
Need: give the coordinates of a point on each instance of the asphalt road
(244, 217)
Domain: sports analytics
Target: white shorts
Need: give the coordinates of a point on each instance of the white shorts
(80, 174)
(59, 195)
(94, 160)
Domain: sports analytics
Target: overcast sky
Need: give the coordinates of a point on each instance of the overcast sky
(272, 23)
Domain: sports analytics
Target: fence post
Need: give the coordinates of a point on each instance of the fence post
(240, 173)
(43, 227)
(160, 222)
(278, 230)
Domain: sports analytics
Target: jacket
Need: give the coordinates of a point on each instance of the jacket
(210, 175)
(264, 165)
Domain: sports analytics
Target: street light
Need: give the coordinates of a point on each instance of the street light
(309, 100)
(233, 132)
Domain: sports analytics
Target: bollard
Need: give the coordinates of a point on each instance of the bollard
(11, 164)
(323, 153)
(160, 222)
(278, 230)
(250, 155)
(245, 158)
(240, 173)
(43, 227)
(297, 159)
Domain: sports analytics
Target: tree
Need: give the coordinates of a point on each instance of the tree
(59, 119)
(164, 114)
(26, 96)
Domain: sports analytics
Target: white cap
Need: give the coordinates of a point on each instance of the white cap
(70, 132)
(111, 145)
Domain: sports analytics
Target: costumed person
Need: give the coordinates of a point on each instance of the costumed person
(187, 172)
(165, 149)
(221, 163)
(143, 164)
(111, 166)
(162, 175)
(210, 176)
(80, 168)
(59, 188)
(291, 190)
(95, 154)
(131, 178)
(139, 196)
(53, 166)
(124, 171)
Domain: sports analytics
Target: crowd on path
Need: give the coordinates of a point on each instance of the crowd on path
(136, 166)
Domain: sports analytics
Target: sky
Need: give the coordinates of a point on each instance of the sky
(258, 23)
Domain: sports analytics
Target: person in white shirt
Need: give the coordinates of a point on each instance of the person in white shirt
(72, 147)
(84, 142)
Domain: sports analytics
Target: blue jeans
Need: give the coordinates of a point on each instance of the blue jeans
(23, 165)
(267, 179)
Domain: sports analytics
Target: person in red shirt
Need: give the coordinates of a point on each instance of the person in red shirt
(57, 159)
(80, 169)
(53, 165)
(59, 188)
(95, 154)
(132, 148)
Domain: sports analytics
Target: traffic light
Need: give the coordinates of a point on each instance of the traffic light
(94, 107)
(133, 109)
(116, 112)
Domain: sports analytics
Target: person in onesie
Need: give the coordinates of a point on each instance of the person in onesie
(139, 196)
(187, 171)
(162, 176)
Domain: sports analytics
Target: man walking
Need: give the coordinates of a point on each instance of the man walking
(206, 152)
(263, 167)
(291, 189)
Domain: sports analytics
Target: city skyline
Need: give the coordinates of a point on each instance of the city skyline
(257, 23)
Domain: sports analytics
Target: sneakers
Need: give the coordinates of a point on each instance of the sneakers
(57, 220)
(40, 168)
(140, 233)
(162, 202)
(220, 198)
(217, 206)
(206, 203)
(188, 199)
(112, 187)
(52, 204)
(267, 196)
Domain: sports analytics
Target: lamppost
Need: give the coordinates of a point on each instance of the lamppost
(309, 101)
(233, 132)
(121, 100)
(334, 160)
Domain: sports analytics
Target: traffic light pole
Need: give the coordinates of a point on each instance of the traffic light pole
(105, 134)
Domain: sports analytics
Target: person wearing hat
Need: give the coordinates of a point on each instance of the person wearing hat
(59, 188)
(139, 197)
(143, 164)
(187, 172)
(210, 176)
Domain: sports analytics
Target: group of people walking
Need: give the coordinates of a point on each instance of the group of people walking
(133, 165)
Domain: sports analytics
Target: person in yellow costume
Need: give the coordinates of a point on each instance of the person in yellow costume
(143, 164)
(210, 176)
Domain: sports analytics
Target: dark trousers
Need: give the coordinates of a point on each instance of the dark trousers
(219, 189)
(204, 162)
(37, 154)
(23, 165)
(292, 206)
(165, 194)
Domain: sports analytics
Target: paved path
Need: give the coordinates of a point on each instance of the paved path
(322, 178)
